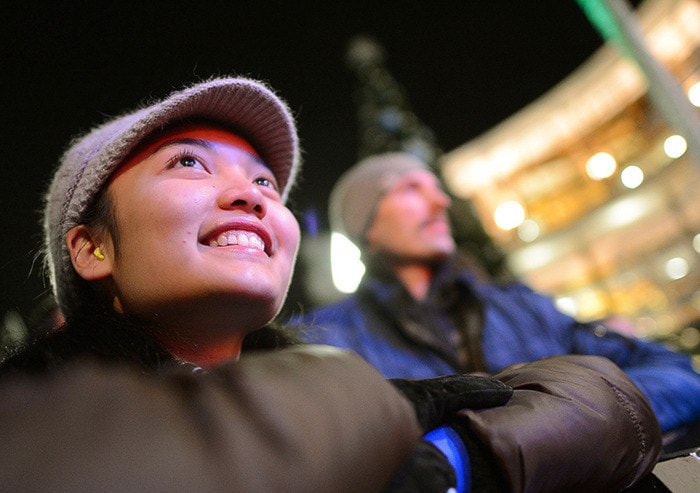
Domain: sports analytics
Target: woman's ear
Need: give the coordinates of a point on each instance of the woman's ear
(88, 255)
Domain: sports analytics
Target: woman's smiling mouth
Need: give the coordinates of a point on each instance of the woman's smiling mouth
(242, 238)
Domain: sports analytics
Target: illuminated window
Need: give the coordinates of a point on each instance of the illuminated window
(509, 215)
(676, 268)
(694, 94)
(346, 267)
(675, 146)
(601, 165)
(632, 176)
(529, 230)
(566, 305)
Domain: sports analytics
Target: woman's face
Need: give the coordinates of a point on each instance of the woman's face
(204, 244)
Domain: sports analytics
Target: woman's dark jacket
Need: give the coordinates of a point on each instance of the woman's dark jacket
(102, 407)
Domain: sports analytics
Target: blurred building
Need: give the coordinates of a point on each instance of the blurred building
(591, 195)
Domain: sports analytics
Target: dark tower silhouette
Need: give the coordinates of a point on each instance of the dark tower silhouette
(386, 120)
(386, 123)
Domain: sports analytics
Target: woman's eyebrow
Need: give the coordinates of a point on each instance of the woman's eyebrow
(196, 142)
(183, 141)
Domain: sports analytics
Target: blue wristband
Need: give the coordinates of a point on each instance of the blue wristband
(448, 441)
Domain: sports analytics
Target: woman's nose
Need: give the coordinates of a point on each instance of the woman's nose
(243, 196)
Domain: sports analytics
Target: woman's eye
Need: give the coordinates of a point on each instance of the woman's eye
(188, 162)
(265, 182)
(186, 159)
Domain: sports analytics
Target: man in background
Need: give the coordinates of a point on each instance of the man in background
(421, 312)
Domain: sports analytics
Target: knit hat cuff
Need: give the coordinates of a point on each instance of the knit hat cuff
(356, 195)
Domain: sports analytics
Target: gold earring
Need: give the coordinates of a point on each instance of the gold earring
(97, 253)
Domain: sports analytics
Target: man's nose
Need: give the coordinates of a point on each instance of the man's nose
(439, 198)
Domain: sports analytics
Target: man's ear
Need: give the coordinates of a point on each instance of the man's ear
(88, 255)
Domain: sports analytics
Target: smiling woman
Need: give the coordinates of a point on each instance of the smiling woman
(170, 249)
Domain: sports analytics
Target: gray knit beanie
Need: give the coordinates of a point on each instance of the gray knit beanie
(246, 106)
(355, 196)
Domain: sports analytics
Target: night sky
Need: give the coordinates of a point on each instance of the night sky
(465, 66)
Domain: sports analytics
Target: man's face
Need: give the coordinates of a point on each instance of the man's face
(411, 221)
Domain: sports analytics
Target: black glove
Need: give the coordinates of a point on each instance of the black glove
(437, 399)
(426, 471)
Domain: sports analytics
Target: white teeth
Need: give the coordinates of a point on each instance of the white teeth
(242, 238)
